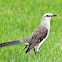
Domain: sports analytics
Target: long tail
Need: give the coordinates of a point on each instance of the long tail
(9, 43)
(22, 41)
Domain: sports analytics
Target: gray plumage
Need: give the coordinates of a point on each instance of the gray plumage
(39, 35)
(35, 38)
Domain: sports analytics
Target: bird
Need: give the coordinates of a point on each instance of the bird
(36, 39)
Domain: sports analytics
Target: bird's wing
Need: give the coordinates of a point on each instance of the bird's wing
(38, 35)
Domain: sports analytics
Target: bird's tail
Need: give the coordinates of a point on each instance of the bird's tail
(22, 41)
(9, 43)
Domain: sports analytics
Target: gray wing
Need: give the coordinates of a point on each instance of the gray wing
(38, 35)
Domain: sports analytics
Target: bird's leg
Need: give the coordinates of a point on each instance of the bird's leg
(25, 47)
(35, 51)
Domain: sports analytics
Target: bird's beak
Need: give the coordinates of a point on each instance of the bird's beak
(54, 15)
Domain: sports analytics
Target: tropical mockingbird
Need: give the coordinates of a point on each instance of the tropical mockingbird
(39, 35)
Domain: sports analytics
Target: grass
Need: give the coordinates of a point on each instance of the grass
(19, 18)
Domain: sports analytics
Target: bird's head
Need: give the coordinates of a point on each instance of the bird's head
(47, 16)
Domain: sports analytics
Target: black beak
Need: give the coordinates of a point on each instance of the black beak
(54, 15)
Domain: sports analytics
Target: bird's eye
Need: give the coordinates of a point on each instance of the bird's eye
(47, 15)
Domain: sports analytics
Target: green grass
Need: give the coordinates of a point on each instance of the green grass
(19, 18)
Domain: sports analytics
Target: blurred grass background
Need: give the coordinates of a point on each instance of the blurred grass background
(19, 18)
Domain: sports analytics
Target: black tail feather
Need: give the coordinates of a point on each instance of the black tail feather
(27, 50)
(25, 47)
